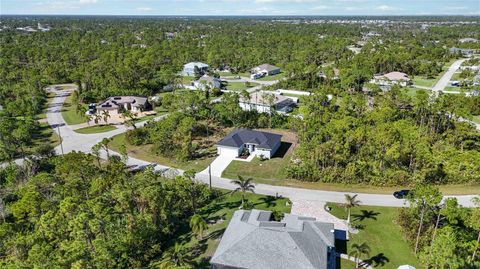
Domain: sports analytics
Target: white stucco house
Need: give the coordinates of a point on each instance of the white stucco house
(117, 104)
(256, 142)
(260, 101)
(266, 70)
(392, 78)
(189, 69)
(207, 82)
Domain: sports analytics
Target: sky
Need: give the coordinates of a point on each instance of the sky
(241, 7)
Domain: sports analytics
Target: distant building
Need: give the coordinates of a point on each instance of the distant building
(170, 35)
(392, 78)
(117, 104)
(253, 240)
(260, 101)
(464, 52)
(266, 70)
(208, 82)
(189, 69)
(468, 40)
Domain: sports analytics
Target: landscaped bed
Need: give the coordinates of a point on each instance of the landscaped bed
(96, 129)
(69, 114)
(378, 229)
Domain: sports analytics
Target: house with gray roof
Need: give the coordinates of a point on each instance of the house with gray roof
(189, 69)
(253, 240)
(117, 104)
(266, 70)
(255, 142)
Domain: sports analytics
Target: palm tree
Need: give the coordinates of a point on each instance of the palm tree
(358, 251)
(129, 118)
(96, 118)
(244, 185)
(105, 116)
(198, 225)
(174, 257)
(350, 202)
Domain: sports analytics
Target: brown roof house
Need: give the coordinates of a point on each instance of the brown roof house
(117, 104)
(392, 78)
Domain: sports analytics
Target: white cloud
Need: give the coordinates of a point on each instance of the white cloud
(144, 9)
(285, 1)
(387, 8)
(87, 1)
(320, 8)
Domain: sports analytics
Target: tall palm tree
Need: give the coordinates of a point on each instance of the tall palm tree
(358, 251)
(105, 116)
(350, 202)
(244, 185)
(198, 225)
(174, 257)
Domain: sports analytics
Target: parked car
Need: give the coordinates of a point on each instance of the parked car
(256, 75)
(401, 194)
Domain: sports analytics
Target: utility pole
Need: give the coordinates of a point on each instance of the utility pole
(210, 176)
(61, 140)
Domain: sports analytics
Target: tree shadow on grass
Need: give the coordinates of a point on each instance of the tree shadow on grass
(378, 260)
(269, 201)
(365, 214)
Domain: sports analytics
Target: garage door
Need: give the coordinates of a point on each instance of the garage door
(228, 152)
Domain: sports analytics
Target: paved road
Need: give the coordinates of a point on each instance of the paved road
(445, 79)
(73, 141)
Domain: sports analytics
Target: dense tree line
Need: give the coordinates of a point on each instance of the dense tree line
(388, 139)
(193, 117)
(442, 234)
(69, 212)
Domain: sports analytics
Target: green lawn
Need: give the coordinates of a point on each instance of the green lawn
(187, 80)
(143, 152)
(267, 171)
(423, 81)
(69, 114)
(96, 129)
(412, 91)
(240, 86)
(378, 229)
(274, 77)
(220, 209)
(476, 119)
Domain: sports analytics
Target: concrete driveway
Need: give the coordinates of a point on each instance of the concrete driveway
(445, 79)
(218, 165)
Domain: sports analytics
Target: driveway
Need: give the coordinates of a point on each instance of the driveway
(445, 79)
(218, 165)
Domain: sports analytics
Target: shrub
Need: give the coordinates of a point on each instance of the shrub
(137, 137)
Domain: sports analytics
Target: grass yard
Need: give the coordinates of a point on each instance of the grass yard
(423, 81)
(476, 119)
(144, 152)
(187, 80)
(274, 77)
(69, 114)
(378, 229)
(95, 129)
(412, 91)
(273, 172)
(240, 86)
(218, 213)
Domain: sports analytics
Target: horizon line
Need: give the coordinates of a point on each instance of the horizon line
(251, 15)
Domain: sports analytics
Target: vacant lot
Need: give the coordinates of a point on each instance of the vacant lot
(378, 229)
(239, 86)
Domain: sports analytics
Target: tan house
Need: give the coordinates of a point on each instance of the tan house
(392, 78)
(117, 104)
(265, 102)
(266, 70)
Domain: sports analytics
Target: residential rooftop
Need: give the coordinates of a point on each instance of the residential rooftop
(240, 137)
(253, 240)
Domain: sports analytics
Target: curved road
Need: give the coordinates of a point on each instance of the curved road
(73, 141)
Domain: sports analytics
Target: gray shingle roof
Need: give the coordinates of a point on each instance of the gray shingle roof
(253, 241)
(239, 137)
